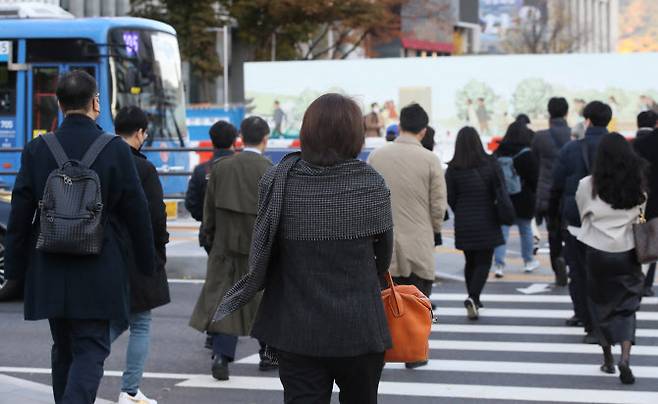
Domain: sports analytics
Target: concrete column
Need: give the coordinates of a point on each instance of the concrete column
(109, 8)
(92, 8)
(613, 25)
(76, 7)
(122, 7)
(582, 25)
(596, 44)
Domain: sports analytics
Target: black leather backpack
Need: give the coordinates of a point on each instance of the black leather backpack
(71, 209)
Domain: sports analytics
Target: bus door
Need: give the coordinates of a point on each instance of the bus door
(43, 114)
(11, 84)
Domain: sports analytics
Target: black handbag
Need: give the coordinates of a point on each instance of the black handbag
(505, 212)
(646, 239)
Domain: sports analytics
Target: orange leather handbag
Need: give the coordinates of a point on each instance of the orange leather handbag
(409, 315)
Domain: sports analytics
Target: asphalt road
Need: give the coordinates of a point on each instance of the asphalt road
(519, 351)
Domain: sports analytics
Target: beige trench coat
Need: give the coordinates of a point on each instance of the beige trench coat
(419, 198)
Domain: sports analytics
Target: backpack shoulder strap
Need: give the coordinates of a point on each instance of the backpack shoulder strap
(524, 150)
(55, 148)
(584, 149)
(96, 148)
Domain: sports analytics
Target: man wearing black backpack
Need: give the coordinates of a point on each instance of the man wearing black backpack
(79, 287)
(572, 165)
(546, 146)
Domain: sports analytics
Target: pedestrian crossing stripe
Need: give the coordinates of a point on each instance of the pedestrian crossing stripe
(518, 298)
(524, 330)
(505, 367)
(526, 313)
(472, 391)
(550, 347)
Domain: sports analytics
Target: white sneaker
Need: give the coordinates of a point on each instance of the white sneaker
(498, 270)
(531, 266)
(140, 398)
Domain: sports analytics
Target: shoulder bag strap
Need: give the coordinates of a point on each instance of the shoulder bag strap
(55, 148)
(96, 148)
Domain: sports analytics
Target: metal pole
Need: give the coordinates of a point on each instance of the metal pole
(226, 62)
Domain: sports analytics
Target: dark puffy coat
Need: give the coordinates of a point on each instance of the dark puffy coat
(196, 188)
(647, 147)
(79, 287)
(546, 147)
(149, 292)
(568, 170)
(527, 168)
(471, 198)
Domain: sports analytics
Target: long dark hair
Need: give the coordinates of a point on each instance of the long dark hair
(518, 133)
(469, 152)
(618, 176)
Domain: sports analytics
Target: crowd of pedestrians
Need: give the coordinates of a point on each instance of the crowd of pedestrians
(310, 240)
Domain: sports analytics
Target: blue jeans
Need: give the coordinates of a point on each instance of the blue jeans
(525, 231)
(138, 348)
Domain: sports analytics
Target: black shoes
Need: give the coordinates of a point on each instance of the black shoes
(574, 322)
(560, 269)
(625, 373)
(590, 338)
(608, 368)
(414, 365)
(648, 292)
(220, 368)
(266, 364)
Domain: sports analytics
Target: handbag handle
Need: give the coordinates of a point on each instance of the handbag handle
(396, 304)
(641, 219)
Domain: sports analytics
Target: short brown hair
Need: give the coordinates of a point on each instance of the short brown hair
(332, 130)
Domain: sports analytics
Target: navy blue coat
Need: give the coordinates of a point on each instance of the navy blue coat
(568, 170)
(79, 287)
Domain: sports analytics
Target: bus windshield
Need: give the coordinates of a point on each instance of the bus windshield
(146, 72)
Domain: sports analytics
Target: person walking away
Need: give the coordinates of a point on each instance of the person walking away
(483, 117)
(546, 147)
(418, 197)
(78, 293)
(610, 202)
(646, 124)
(278, 116)
(146, 292)
(471, 178)
(520, 173)
(322, 243)
(573, 164)
(223, 135)
(646, 145)
(228, 221)
(373, 122)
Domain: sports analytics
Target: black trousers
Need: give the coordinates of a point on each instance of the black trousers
(651, 274)
(309, 380)
(424, 285)
(555, 238)
(476, 271)
(575, 255)
(79, 350)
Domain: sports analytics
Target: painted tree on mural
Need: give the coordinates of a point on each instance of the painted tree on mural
(469, 95)
(531, 97)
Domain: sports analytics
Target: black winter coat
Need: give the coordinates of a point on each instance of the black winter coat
(546, 147)
(568, 170)
(471, 198)
(149, 292)
(527, 168)
(647, 147)
(79, 287)
(196, 188)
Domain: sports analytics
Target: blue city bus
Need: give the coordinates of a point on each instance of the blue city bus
(135, 61)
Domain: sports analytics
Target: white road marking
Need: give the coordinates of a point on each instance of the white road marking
(523, 329)
(535, 288)
(191, 281)
(29, 388)
(475, 391)
(513, 298)
(551, 347)
(525, 313)
(505, 367)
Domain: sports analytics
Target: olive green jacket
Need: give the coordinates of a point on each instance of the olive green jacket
(230, 209)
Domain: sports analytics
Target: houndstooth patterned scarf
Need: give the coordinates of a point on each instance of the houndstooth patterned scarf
(349, 200)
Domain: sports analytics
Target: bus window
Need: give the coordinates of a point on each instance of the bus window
(7, 91)
(61, 50)
(44, 101)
